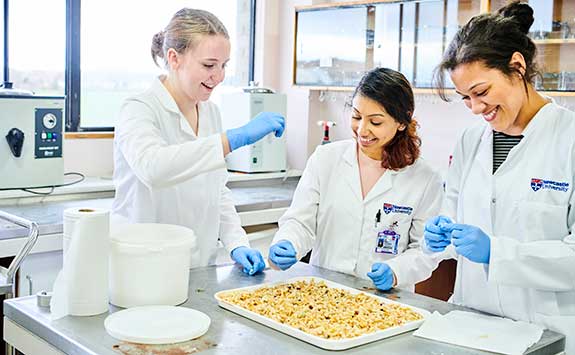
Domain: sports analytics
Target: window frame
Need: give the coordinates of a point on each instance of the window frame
(73, 73)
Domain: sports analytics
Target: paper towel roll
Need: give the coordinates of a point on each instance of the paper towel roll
(81, 288)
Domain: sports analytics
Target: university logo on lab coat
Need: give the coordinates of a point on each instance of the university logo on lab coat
(536, 184)
(389, 208)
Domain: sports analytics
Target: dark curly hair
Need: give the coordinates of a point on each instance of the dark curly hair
(492, 39)
(390, 89)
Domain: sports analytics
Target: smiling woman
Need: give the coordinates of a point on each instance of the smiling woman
(509, 212)
(361, 203)
(382, 121)
(169, 146)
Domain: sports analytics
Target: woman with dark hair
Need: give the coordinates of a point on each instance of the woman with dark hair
(510, 185)
(362, 203)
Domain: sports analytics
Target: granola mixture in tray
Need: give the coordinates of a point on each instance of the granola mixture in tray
(317, 309)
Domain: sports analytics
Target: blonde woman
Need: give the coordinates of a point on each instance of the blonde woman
(169, 146)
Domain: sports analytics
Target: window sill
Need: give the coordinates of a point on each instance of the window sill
(89, 135)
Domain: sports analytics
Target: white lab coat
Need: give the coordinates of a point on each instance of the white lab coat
(164, 173)
(531, 274)
(329, 214)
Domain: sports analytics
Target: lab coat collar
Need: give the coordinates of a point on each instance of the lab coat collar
(485, 151)
(539, 117)
(351, 171)
(354, 180)
(164, 96)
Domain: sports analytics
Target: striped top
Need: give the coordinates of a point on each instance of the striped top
(502, 144)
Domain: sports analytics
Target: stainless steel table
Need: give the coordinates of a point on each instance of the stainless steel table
(230, 333)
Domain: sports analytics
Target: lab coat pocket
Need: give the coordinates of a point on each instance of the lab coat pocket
(542, 221)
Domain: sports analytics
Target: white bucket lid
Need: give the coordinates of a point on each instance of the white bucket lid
(157, 324)
(152, 237)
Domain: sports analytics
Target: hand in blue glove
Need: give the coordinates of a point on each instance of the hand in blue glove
(250, 259)
(283, 254)
(260, 126)
(436, 237)
(382, 276)
(470, 241)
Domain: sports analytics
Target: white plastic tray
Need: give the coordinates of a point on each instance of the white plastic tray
(329, 344)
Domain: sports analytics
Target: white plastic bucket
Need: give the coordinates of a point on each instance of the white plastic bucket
(150, 264)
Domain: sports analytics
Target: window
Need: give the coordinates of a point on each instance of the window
(36, 44)
(2, 45)
(115, 60)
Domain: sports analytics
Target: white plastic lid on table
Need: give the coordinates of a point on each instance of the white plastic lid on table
(151, 237)
(157, 324)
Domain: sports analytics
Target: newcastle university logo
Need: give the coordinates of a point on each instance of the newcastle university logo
(540, 184)
(536, 184)
(391, 208)
(387, 208)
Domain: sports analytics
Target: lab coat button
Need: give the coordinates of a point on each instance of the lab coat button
(493, 200)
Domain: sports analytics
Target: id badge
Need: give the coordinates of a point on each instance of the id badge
(388, 241)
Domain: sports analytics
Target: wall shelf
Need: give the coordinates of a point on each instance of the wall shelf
(555, 41)
(410, 36)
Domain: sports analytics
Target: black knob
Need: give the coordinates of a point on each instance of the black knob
(15, 139)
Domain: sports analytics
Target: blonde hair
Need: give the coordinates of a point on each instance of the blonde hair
(184, 31)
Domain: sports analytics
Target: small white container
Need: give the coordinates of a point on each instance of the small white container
(150, 264)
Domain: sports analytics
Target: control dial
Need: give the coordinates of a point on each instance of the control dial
(49, 120)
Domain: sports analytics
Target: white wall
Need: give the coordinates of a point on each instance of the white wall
(274, 61)
(91, 157)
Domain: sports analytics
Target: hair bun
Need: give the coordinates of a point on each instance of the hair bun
(158, 43)
(522, 13)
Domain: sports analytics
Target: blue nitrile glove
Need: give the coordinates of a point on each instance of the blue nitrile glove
(250, 259)
(283, 254)
(436, 237)
(470, 241)
(382, 276)
(260, 126)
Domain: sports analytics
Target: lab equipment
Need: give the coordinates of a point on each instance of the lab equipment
(283, 254)
(263, 124)
(382, 276)
(31, 128)
(326, 125)
(148, 252)
(470, 241)
(240, 108)
(251, 259)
